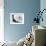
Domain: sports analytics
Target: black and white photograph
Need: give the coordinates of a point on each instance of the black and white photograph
(16, 18)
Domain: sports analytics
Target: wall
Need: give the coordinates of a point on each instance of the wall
(29, 8)
(43, 6)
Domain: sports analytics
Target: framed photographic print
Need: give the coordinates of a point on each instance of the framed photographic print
(16, 18)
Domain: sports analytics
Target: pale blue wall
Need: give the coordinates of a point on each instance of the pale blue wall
(43, 6)
(28, 7)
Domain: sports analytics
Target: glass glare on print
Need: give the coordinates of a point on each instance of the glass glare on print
(16, 18)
